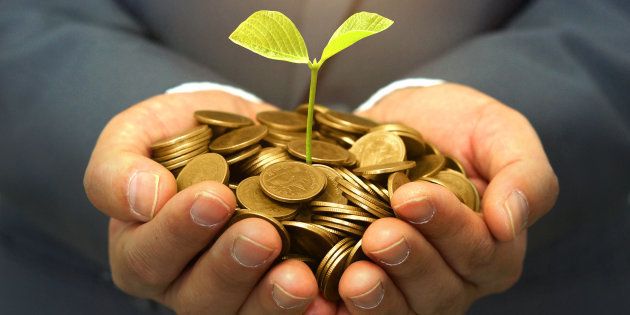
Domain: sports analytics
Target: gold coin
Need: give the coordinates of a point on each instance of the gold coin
(461, 186)
(315, 203)
(204, 167)
(323, 218)
(284, 234)
(431, 149)
(309, 239)
(356, 254)
(378, 148)
(195, 141)
(275, 142)
(345, 184)
(160, 159)
(282, 120)
(291, 182)
(331, 193)
(426, 166)
(250, 195)
(242, 155)
(354, 180)
(323, 120)
(238, 139)
(334, 211)
(332, 276)
(268, 162)
(337, 233)
(176, 162)
(341, 227)
(380, 191)
(222, 119)
(453, 164)
(354, 122)
(395, 180)
(321, 152)
(385, 168)
(286, 135)
(179, 138)
(366, 205)
(303, 109)
(309, 261)
(394, 127)
(332, 253)
(412, 138)
(359, 219)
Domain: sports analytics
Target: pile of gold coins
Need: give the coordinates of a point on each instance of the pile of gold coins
(321, 210)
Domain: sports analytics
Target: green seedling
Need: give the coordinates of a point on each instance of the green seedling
(273, 35)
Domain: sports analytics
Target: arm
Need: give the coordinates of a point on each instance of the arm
(65, 69)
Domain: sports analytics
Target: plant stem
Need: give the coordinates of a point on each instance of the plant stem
(311, 102)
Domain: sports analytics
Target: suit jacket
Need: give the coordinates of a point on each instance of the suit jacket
(67, 66)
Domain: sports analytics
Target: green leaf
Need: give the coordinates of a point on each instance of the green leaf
(272, 35)
(355, 28)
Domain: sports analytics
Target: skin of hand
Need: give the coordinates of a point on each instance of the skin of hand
(438, 256)
(170, 246)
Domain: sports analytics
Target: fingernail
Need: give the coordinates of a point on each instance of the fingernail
(394, 254)
(416, 211)
(250, 253)
(208, 209)
(143, 194)
(286, 300)
(516, 208)
(370, 299)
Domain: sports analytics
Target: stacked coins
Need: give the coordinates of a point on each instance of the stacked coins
(322, 210)
(175, 152)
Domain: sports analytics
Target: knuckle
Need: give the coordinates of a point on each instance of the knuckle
(481, 257)
(139, 270)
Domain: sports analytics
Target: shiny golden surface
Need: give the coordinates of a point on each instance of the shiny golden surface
(222, 119)
(309, 239)
(426, 166)
(291, 182)
(395, 180)
(208, 166)
(238, 139)
(250, 195)
(179, 138)
(322, 152)
(282, 120)
(379, 147)
(360, 165)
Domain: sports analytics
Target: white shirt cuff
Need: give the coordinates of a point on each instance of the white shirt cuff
(396, 85)
(190, 87)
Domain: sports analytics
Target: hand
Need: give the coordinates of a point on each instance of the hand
(439, 256)
(165, 245)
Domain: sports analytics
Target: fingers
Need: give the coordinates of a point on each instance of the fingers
(147, 258)
(288, 288)
(429, 285)
(121, 180)
(523, 186)
(459, 234)
(367, 289)
(223, 277)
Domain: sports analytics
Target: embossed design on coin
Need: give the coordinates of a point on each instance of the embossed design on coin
(207, 166)
(322, 152)
(378, 148)
(250, 195)
(238, 139)
(291, 182)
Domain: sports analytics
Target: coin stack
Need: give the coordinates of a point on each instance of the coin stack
(322, 210)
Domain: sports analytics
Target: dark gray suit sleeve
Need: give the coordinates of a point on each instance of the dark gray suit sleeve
(66, 67)
(566, 66)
